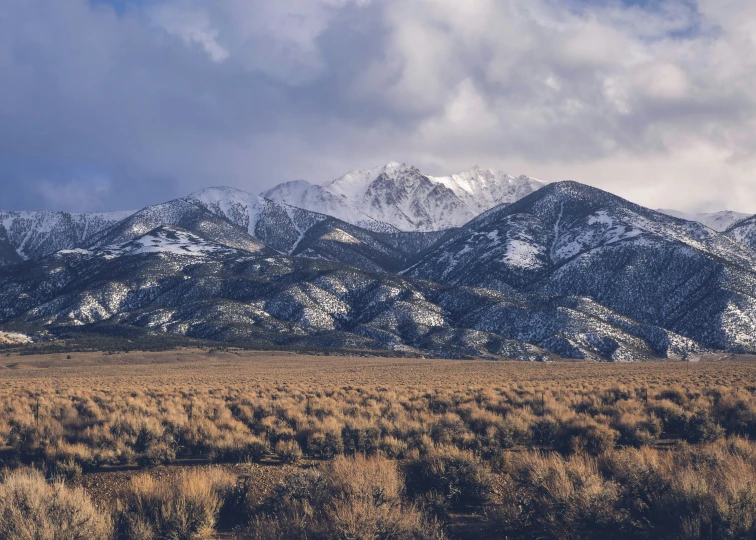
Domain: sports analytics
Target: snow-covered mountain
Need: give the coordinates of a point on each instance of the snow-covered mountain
(178, 213)
(226, 215)
(174, 281)
(299, 232)
(302, 194)
(565, 269)
(36, 234)
(279, 226)
(404, 198)
(569, 240)
(744, 232)
(719, 221)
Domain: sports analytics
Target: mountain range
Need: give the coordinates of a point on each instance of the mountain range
(404, 198)
(478, 263)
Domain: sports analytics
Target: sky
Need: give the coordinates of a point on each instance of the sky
(117, 104)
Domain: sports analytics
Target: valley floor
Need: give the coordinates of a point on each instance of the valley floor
(217, 367)
(456, 449)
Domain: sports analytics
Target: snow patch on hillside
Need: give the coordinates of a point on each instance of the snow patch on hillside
(167, 240)
(522, 254)
(13, 338)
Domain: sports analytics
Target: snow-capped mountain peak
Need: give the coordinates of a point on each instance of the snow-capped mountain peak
(400, 196)
(277, 224)
(719, 221)
(234, 204)
(482, 189)
(352, 186)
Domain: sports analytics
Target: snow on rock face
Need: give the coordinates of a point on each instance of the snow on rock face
(483, 189)
(522, 254)
(340, 236)
(235, 205)
(36, 234)
(719, 221)
(744, 232)
(279, 226)
(569, 239)
(301, 194)
(402, 197)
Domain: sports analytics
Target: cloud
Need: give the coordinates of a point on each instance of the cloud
(192, 27)
(105, 108)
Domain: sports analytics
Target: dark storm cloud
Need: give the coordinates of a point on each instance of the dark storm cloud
(117, 105)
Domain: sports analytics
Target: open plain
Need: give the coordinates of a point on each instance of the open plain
(201, 443)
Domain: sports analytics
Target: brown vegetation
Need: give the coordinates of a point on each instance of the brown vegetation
(32, 508)
(387, 448)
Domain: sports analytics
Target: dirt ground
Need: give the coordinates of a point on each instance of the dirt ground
(238, 368)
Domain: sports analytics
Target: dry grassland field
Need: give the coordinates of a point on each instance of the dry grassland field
(238, 444)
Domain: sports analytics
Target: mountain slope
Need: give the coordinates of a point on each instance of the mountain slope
(337, 241)
(279, 226)
(719, 221)
(302, 194)
(568, 269)
(172, 280)
(402, 197)
(573, 240)
(36, 234)
(744, 232)
(180, 213)
(8, 253)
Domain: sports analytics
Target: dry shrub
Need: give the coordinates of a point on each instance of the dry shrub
(288, 451)
(360, 437)
(241, 450)
(548, 496)
(583, 434)
(67, 469)
(635, 430)
(324, 444)
(673, 417)
(577, 408)
(352, 498)
(456, 477)
(183, 507)
(702, 427)
(393, 448)
(30, 509)
(544, 431)
(157, 453)
(704, 492)
(686, 493)
(736, 415)
(448, 420)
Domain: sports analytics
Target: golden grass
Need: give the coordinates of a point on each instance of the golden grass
(30, 508)
(229, 408)
(549, 450)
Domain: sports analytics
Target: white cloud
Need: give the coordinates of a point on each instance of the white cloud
(192, 26)
(656, 103)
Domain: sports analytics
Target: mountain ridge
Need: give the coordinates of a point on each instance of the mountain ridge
(568, 239)
(404, 198)
(174, 281)
(719, 221)
(567, 270)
